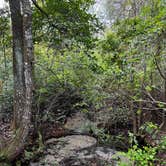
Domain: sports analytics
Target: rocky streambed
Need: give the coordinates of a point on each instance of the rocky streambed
(77, 150)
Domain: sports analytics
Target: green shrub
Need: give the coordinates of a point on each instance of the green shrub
(141, 157)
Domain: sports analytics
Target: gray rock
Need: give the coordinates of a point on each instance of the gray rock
(105, 154)
(76, 150)
(78, 123)
(59, 149)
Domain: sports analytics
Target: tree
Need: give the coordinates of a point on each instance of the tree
(62, 22)
(21, 16)
(144, 31)
(119, 10)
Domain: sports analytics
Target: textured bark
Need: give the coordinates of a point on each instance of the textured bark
(18, 61)
(134, 117)
(21, 15)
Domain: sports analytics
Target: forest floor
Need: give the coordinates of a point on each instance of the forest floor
(70, 144)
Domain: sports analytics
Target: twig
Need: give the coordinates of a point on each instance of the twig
(152, 102)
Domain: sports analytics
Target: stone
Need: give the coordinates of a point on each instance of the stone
(59, 149)
(105, 154)
(77, 150)
(78, 123)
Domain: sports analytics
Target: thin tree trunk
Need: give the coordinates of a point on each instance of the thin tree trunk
(164, 113)
(134, 117)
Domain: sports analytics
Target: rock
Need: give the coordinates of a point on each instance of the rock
(59, 149)
(102, 118)
(95, 156)
(76, 150)
(74, 142)
(105, 154)
(49, 160)
(78, 123)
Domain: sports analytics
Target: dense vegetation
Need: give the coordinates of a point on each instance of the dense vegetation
(118, 71)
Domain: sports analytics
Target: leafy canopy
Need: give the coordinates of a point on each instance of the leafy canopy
(64, 22)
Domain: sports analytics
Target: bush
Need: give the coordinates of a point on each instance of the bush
(65, 81)
(141, 157)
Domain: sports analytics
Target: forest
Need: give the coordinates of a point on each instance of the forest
(83, 83)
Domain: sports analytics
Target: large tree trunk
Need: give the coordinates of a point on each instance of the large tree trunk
(18, 61)
(21, 16)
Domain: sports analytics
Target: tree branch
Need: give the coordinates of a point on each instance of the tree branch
(40, 9)
(158, 52)
(47, 15)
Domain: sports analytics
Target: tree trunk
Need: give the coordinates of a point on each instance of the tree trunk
(21, 16)
(134, 117)
(18, 61)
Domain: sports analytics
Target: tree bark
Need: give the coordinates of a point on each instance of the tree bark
(18, 61)
(21, 16)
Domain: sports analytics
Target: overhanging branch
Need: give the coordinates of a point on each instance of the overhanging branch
(48, 17)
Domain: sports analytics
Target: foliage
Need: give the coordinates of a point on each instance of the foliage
(65, 23)
(149, 128)
(6, 78)
(123, 73)
(101, 134)
(141, 157)
(68, 79)
(162, 145)
(132, 73)
(147, 155)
